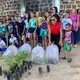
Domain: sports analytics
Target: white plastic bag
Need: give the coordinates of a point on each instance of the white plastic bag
(38, 54)
(11, 51)
(52, 54)
(25, 47)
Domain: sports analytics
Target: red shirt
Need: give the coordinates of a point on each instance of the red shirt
(55, 28)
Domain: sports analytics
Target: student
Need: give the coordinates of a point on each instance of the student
(39, 22)
(43, 31)
(27, 25)
(20, 29)
(2, 46)
(65, 21)
(67, 42)
(3, 31)
(48, 16)
(32, 29)
(13, 39)
(73, 17)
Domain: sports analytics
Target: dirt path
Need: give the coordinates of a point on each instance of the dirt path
(60, 71)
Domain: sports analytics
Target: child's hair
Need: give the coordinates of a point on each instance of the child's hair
(68, 24)
(45, 17)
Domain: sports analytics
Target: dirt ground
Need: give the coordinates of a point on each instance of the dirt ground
(61, 71)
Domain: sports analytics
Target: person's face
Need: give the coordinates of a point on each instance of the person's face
(32, 15)
(67, 28)
(12, 18)
(47, 14)
(37, 14)
(43, 19)
(74, 11)
(53, 11)
(53, 20)
(19, 19)
(26, 16)
(12, 35)
(7, 17)
(0, 23)
(67, 15)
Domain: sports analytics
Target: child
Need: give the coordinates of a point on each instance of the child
(39, 22)
(73, 17)
(27, 25)
(43, 31)
(67, 42)
(65, 21)
(13, 40)
(32, 29)
(2, 46)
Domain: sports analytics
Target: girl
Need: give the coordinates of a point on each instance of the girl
(32, 29)
(48, 16)
(43, 31)
(39, 22)
(78, 12)
(73, 17)
(27, 25)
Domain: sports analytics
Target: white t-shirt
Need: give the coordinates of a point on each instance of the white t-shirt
(14, 39)
(2, 44)
(65, 21)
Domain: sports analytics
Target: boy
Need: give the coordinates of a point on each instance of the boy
(2, 46)
(65, 21)
(13, 40)
(67, 42)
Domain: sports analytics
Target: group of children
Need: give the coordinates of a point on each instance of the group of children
(33, 29)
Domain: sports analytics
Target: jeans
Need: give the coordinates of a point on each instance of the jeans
(79, 34)
(75, 37)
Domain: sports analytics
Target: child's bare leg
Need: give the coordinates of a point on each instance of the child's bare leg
(34, 40)
(45, 42)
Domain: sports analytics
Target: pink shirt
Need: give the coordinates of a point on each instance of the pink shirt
(74, 18)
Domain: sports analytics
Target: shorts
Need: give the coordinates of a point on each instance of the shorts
(43, 32)
(20, 33)
(31, 30)
(67, 47)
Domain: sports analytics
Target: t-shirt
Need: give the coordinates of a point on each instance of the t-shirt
(74, 21)
(65, 21)
(39, 21)
(14, 39)
(33, 23)
(20, 26)
(55, 28)
(44, 25)
(68, 37)
(26, 23)
(10, 28)
(2, 44)
(3, 31)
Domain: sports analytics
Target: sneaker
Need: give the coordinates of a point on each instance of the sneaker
(69, 60)
(75, 46)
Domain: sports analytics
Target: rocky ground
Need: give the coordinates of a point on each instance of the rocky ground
(61, 71)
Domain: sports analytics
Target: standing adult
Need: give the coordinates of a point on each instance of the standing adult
(55, 31)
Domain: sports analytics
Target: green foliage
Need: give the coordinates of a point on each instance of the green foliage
(15, 59)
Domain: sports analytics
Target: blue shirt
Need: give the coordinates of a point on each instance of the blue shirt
(3, 31)
(65, 21)
(26, 23)
(33, 23)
